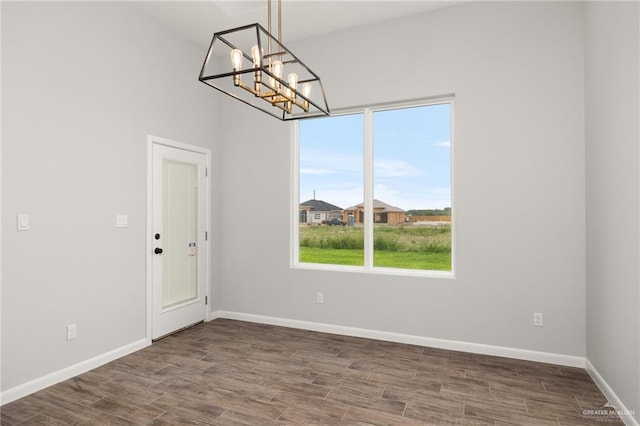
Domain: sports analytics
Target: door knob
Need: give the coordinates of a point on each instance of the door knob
(158, 250)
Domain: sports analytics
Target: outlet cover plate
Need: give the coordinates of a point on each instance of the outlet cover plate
(537, 319)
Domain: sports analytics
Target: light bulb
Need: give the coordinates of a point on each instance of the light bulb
(276, 68)
(256, 54)
(293, 80)
(236, 59)
(306, 90)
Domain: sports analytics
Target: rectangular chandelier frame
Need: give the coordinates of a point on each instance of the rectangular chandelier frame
(250, 65)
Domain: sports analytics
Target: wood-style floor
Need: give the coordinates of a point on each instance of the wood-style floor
(236, 373)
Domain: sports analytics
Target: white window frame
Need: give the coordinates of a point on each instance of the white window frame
(368, 267)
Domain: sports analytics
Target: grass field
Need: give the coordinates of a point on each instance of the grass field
(402, 246)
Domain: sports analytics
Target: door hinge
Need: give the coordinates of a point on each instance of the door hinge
(206, 300)
(206, 236)
(206, 171)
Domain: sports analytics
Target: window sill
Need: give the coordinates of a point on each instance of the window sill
(374, 270)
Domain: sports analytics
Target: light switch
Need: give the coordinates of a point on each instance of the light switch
(122, 221)
(23, 222)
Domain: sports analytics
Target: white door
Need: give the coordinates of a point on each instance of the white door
(178, 238)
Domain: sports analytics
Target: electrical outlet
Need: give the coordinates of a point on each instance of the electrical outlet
(537, 319)
(71, 332)
(320, 297)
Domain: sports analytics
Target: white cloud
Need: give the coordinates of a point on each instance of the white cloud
(337, 179)
(340, 196)
(395, 168)
(418, 197)
(314, 171)
(328, 163)
(384, 192)
(443, 144)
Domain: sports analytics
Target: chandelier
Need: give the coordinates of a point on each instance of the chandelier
(251, 65)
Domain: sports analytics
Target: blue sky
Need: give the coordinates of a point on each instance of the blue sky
(412, 152)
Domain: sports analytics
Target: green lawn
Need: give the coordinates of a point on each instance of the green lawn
(412, 260)
(398, 246)
(389, 259)
(354, 257)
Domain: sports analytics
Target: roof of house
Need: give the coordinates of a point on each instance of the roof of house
(377, 204)
(320, 206)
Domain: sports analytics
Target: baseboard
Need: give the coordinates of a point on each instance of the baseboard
(211, 315)
(546, 357)
(69, 372)
(622, 411)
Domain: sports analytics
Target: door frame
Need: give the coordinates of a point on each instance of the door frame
(151, 142)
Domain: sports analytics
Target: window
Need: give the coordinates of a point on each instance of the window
(383, 177)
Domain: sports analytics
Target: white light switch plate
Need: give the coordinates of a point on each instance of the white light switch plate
(122, 221)
(23, 222)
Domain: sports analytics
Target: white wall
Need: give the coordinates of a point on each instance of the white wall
(83, 83)
(516, 70)
(613, 196)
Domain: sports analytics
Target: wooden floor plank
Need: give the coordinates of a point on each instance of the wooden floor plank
(238, 373)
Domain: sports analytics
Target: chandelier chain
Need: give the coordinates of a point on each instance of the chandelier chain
(269, 26)
(280, 21)
(269, 22)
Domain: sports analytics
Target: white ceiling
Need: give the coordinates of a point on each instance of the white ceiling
(198, 20)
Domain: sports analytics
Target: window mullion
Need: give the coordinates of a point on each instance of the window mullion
(295, 194)
(368, 189)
